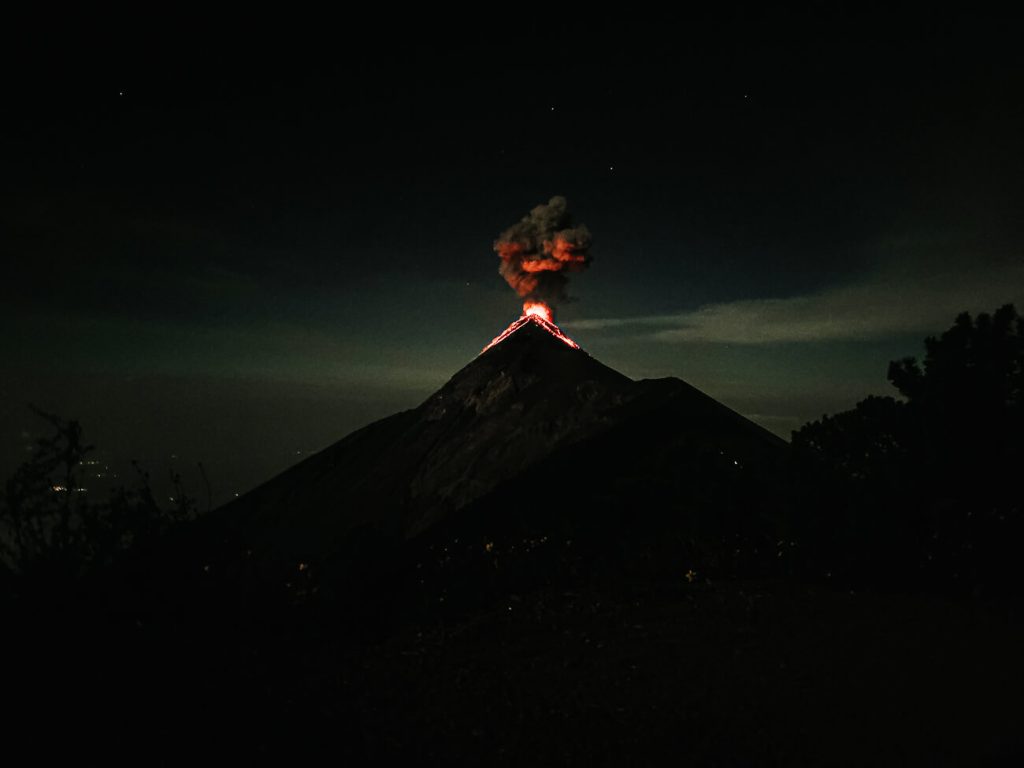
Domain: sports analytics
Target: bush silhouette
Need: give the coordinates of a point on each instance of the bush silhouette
(50, 533)
(925, 487)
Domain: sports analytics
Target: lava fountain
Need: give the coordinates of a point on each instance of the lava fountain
(538, 309)
(538, 313)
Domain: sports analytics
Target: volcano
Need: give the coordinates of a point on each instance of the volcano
(533, 425)
(530, 418)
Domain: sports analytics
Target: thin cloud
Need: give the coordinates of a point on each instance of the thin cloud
(896, 301)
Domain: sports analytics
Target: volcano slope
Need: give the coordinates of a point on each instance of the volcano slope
(533, 429)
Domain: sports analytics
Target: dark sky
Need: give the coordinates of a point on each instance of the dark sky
(236, 254)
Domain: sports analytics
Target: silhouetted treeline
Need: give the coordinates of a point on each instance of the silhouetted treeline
(52, 532)
(924, 490)
(141, 629)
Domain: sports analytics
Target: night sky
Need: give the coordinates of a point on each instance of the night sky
(239, 257)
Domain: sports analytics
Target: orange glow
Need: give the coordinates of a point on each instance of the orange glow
(565, 251)
(540, 314)
(542, 265)
(538, 309)
(559, 254)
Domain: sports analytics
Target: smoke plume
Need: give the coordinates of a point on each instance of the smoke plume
(538, 253)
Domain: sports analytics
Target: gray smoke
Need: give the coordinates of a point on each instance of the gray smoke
(538, 253)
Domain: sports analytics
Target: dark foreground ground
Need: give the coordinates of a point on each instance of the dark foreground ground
(750, 673)
(730, 673)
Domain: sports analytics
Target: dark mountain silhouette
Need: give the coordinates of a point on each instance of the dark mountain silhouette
(531, 419)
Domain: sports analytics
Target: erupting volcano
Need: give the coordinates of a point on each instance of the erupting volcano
(536, 255)
(500, 433)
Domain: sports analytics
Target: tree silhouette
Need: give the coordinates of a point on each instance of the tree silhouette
(925, 486)
(51, 533)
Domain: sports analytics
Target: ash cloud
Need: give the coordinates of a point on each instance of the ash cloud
(539, 252)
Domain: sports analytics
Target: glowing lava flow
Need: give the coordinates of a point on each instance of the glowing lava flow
(533, 313)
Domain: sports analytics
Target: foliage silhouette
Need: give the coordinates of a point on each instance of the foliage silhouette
(923, 489)
(52, 532)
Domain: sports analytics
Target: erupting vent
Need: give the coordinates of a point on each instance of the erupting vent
(541, 317)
